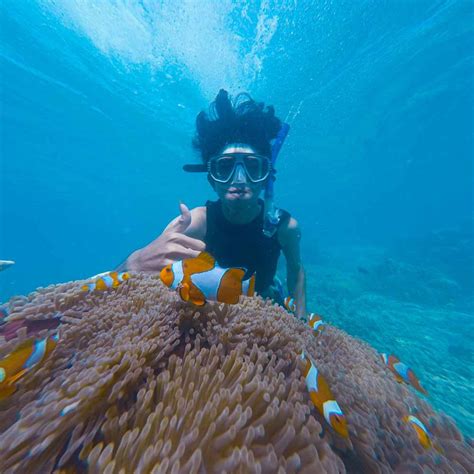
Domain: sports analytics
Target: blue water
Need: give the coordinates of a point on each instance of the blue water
(98, 102)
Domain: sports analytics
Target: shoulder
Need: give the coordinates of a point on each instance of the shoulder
(198, 212)
(289, 232)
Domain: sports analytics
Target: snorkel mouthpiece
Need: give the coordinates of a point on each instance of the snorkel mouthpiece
(272, 214)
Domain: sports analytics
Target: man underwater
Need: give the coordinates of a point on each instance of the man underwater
(234, 140)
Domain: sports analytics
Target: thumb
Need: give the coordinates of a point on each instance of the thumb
(184, 220)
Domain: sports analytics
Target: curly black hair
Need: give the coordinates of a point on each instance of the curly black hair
(239, 121)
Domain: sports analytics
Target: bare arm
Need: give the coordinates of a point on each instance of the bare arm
(289, 237)
(182, 238)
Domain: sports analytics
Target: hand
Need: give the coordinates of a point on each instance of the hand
(170, 246)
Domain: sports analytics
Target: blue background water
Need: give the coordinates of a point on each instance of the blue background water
(98, 101)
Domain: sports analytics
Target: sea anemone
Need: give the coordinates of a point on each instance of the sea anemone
(141, 381)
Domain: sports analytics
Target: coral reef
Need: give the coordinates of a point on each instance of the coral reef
(450, 250)
(141, 381)
(403, 308)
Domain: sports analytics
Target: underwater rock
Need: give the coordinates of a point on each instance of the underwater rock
(142, 381)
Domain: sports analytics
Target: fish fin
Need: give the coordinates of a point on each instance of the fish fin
(198, 301)
(115, 280)
(230, 286)
(420, 388)
(100, 284)
(196, 296)
(202, 263)
(184, 291)
(414, 381)
(251, 289)
(17, 376)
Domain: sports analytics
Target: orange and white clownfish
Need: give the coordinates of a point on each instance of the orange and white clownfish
(290, 304)
(316, 323)
(322, 397)
(403, 373)
(26, 357)
(424, 436)
(201, 279)
(106, 280)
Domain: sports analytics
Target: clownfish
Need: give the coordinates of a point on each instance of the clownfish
(201, 279)
(322, 398)
(26, 357)
(105, 281)
(290, 304)
(316, 323)
(424, 436)
(403, 373)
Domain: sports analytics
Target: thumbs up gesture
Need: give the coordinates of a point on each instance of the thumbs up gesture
(172, 245)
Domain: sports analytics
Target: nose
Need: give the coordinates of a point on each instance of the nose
(240, 176)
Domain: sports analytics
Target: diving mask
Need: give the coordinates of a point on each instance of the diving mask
(222, 167)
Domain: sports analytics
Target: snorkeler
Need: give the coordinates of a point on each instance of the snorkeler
(239, 229)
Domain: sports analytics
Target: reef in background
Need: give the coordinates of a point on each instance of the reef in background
(140, 380)
(417, 304)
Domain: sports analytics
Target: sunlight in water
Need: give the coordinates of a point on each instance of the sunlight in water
(199, 40)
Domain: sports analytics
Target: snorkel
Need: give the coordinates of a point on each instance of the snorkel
(271, 213)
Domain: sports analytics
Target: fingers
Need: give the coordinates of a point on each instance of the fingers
(178, 252)
(189, 242)
(152, 261)
(184, 220)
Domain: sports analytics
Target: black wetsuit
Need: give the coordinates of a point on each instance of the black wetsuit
(245, 245)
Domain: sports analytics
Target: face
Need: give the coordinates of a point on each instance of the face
(239, 191)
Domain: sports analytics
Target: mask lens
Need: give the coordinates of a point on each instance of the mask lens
(222, 167)
(257, 167)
